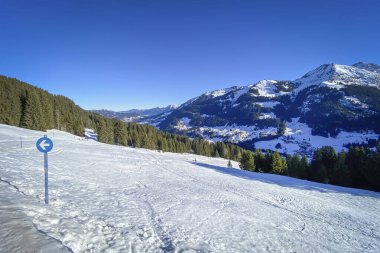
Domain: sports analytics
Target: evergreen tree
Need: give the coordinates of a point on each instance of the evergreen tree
(278, 164)
(47, 119)
(268, 165)
(260, 161)
(341, 175)
(303, 168)
(247, 161)
(293, 165)
(31, 117)
(320, 175)
(120, 133)
(10, 102)
(281, 127)
(323, 164)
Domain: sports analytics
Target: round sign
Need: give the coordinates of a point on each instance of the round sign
(44, 144)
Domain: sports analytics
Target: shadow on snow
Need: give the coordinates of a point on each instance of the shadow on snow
(286, 181)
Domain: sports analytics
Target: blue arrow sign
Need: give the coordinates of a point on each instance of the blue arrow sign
(44, 144)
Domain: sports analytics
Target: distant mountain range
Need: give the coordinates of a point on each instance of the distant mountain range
(134, 115)
(334, 105)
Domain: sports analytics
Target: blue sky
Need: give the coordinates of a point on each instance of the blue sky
(139, 54)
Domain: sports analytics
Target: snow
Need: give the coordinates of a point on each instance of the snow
(268, 104)
(17, 230)
(270, 115)
(183, 124)
(235, 92)
(132, 119)
(314, 77)
(353, 102)
(298, 139)
(106, 198)
(336, 76)
(368, 66)
(233, 133)
(217, 93)
(352, 75)
(238, 93)
(266, 88)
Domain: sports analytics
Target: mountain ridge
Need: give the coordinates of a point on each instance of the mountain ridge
(332, 101)
(135, 114)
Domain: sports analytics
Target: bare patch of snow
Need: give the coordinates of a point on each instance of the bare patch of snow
(268, 104)
(270, 115)
(183, 124)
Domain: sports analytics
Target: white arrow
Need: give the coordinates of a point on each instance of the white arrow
(43, 144)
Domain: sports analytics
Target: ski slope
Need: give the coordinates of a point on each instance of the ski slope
(106, 198)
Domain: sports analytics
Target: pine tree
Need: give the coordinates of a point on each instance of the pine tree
(31, 117)
(268, 162)
(341, 175)
(323, 164)
(303, 168)
(278, 164)
(229, 164)
(101, 130)
(247, 161)
(259, 160)
(47, 111)
(293, 164)
(10, 103)
(120, 133)
(281, 127)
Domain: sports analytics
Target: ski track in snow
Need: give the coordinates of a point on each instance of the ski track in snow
(106, 198)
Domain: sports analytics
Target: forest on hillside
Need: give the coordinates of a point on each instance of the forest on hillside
(27, 106)
(359, 167)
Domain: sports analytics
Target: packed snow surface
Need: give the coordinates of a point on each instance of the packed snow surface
(106, 198)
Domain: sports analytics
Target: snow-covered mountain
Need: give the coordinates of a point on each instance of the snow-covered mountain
(136, 115)
(107, 198)
(368, 66)
(331, 105)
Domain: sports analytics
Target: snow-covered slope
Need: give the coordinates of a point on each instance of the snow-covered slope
(336, 76)
(333, 103)
(368, 66)
(106, 198)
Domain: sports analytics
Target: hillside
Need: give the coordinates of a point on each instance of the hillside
(113, 198)
(30, 107)
(335, 105)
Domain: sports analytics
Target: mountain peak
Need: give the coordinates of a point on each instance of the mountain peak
(335, 75)
(316, 76)
(368, 66)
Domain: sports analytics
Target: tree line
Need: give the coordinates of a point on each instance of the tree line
(27, 106)
(359, 167)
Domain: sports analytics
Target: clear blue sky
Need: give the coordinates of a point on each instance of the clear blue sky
(139, 54)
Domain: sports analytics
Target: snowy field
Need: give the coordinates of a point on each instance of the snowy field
(108, 198)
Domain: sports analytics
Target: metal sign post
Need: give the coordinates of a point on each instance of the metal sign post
(45, 145)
